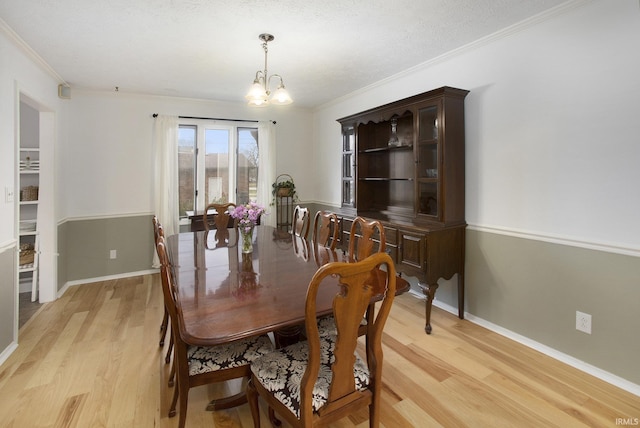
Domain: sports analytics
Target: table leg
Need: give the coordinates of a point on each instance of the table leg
(287, 335)
(231, 401)
(227, 402)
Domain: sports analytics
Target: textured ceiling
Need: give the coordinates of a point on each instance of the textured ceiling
(210, 49)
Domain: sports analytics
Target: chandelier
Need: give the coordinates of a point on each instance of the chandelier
(259, 95)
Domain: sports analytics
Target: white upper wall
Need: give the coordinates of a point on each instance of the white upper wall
(108, 154)
(552, 125)
(18, 74)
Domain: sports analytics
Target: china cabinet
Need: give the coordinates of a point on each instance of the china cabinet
(403, 163)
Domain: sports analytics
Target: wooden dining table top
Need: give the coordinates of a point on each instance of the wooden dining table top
(225, 295)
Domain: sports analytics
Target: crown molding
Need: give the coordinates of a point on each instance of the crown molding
(476, 44)
(29, 52)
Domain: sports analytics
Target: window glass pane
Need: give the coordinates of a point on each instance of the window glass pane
(216, 176)
(247, 168)
(186, 169)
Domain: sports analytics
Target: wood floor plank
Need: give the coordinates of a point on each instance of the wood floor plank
(91, 359)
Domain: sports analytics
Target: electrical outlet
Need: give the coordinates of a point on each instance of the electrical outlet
(583, 322)
(113, 254)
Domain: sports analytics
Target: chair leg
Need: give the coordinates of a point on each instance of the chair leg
(374, 414)
(167, 358)
(174, 401)
(163, 327)
(172, 374)
(252, 398)
(272, 417)
(183, 397)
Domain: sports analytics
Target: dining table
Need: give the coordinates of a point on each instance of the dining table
(224, 294)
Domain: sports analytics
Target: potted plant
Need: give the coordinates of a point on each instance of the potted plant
(284, 187)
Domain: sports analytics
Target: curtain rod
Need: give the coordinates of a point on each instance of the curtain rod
(215, 118)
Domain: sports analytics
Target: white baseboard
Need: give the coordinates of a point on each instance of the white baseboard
(7, 352)
(553, 353)
(25, 285)
(104, 278)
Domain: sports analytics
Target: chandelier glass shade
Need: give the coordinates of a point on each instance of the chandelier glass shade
(259, 94)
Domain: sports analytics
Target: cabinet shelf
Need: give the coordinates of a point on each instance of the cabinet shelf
(384, 179)
(387, 149)
(428, 142)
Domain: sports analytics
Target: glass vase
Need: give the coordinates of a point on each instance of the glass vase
(246, 239)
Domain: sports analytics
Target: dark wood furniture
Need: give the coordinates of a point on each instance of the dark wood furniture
(348, 387)
(196, 220)
(221, 220)
(157, 233)
(265, 289)
(368, 238)
(325, 230)
(301, 221)
(403, 163)
(364, 235)
(201, 365)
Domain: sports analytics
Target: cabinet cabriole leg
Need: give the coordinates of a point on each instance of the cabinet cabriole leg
(430, 291)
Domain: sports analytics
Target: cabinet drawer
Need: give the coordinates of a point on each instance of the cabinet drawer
(392, 250)
(412, 249)
(391, 235)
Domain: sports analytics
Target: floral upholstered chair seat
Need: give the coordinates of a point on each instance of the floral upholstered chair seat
(327, 326)
(205, 359)
(281, 371)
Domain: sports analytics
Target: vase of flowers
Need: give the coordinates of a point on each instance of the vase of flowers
(247, 216)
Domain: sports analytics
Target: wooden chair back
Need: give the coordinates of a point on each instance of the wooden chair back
(358, 283)
(185, 381)
(221, 220)
(364, 237)
(301, 247)
(301, 221)
(157, 229)
(325, 229)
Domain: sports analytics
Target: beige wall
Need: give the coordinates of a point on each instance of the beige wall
(86, 246)
(7, 296)
(534, 288)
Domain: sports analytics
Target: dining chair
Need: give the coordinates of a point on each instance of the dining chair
(325, 229)
(221, 220)
(201, 365)
(364, 236)
(301, 221)
(157, 232)
(323, 379)
(301, 247)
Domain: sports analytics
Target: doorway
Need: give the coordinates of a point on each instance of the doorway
(35, 217)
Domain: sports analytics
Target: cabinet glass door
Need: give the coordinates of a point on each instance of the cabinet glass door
(348, 166)
(428, 164)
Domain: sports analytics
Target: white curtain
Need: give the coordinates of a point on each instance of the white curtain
(165, 175)
(266, 169)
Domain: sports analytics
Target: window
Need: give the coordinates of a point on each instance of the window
(216, 164)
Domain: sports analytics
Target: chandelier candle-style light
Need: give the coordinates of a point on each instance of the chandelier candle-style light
(259, 95)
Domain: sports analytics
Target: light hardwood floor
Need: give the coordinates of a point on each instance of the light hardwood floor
(91, 359)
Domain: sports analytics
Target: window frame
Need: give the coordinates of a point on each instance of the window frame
(201, 126)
